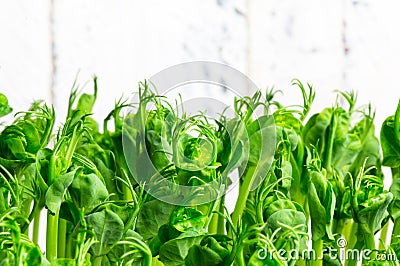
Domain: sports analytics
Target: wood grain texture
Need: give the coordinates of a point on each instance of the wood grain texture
(24, 52)
(124, 42)
(333, 45)
(297, 39)
(372, 63)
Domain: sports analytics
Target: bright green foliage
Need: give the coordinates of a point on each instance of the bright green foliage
(5, 109)
(390, 141)
(147, 185)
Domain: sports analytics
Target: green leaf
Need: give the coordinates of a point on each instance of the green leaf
(55, 193)
(346, 152)
(86, 101)
(397, 122)
(168, 232)
(329, 204)
(314, 130)
(70, 212)
(185, 218)
(390, 141)
(152, 216)
(390, 144)
(262, 148)
(202, 256)
(5, 109)
(374, 211)
(288, 121)
(288, 217)
(194, 153)
(369, 156)
(174, 251)
(35, 257)
(129, 251)
(108, 228)
(278, 205)
(318, 213)
(218, 243)
(32, 137)
(395, 205)
(13, 140)
(87, 191)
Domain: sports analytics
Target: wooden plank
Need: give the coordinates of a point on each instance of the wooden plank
(126, 41)
(297, 39)
(373, 57)
(25, 52)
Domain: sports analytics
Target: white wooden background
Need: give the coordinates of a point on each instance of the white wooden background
(333, 44)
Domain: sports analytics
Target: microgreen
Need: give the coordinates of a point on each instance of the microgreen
(112, 190)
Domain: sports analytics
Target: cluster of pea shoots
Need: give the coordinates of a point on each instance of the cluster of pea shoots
(321, 172)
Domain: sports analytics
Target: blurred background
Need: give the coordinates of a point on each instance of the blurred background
(332, 44)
